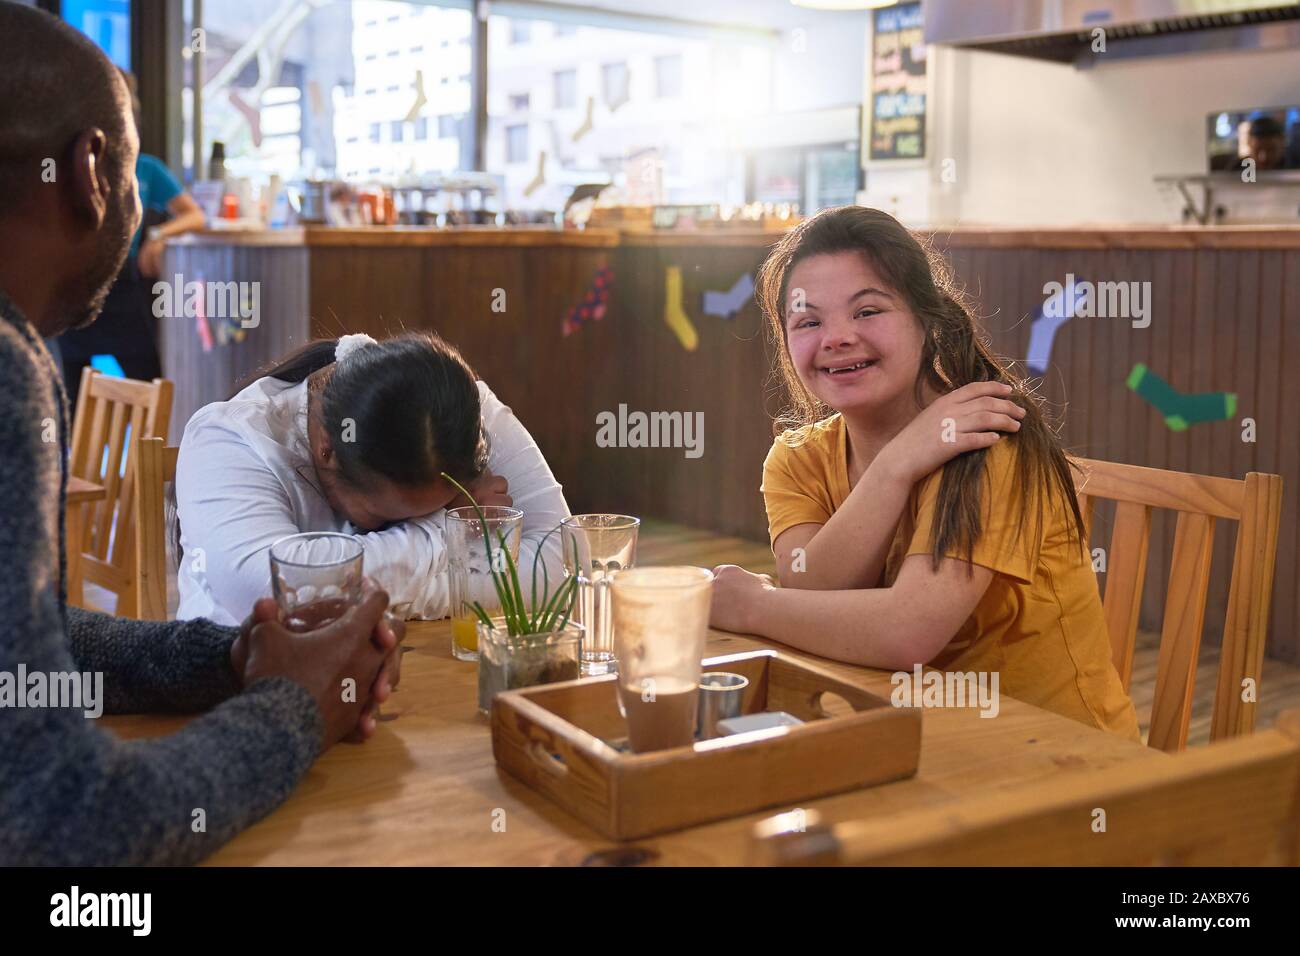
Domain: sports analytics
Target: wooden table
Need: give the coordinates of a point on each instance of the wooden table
(80, 492)
(426, 791)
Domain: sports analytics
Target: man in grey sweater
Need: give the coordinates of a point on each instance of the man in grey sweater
(71, 792)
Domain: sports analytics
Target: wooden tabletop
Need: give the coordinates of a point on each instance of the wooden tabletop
(426, 791)
(81, 491)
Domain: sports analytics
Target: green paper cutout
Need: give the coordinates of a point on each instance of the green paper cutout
(1181, 410)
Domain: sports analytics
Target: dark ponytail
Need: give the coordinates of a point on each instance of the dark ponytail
(298, 364)
(405, 409)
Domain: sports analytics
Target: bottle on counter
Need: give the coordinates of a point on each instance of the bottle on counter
(217, 164)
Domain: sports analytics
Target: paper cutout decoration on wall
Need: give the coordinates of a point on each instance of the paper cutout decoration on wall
(674, 314)
(413, 113)
(728, 304)
(1048, 318)
(205, 333)
(314, 98)
(251, 114)
(1181, 410)
(593, 305)
(540, 179)
(585, 128)
(621, 95)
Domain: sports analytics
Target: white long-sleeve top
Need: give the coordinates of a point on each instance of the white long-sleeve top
(245, 479)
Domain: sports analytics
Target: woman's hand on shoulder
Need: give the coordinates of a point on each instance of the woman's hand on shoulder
(973, 416)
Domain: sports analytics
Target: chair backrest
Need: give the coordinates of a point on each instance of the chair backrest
(155, 465)
(1256, 503)
(112, 413)
(1236, 802)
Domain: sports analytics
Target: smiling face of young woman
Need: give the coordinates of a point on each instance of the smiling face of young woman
(855, 344)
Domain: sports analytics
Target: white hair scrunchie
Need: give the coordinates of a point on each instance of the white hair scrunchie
(349, 344)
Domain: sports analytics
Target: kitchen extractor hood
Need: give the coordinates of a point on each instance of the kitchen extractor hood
(1065, 30)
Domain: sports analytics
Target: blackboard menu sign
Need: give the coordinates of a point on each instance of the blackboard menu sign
(897, 128)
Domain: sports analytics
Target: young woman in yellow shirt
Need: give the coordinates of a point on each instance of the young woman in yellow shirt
(920, 507)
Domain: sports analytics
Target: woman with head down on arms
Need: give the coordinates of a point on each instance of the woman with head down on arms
(355, 436)
(921, 511)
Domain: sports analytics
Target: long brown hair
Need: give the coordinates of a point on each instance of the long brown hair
(954, 353)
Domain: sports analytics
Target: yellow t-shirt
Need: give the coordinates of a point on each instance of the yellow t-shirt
(1039, 625)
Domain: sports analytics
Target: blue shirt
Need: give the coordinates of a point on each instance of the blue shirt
(158, 187)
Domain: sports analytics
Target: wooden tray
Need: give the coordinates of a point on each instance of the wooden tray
(555, 739)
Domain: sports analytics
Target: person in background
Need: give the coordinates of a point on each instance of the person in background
(72, 793)
(127, 328)
(1266, 143)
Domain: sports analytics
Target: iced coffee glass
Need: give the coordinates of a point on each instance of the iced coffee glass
(661, 621)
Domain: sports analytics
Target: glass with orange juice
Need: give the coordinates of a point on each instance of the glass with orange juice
(469, 566)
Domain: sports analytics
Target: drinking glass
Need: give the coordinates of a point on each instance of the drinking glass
(595, 547)
(315, 577)
(661, 620)
(469, 577)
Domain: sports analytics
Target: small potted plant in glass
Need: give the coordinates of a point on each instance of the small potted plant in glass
(529, 642)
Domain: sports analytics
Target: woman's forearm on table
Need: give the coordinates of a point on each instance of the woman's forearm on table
(850, 550)
(862, 627)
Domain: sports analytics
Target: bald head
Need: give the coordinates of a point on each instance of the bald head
(54, 84)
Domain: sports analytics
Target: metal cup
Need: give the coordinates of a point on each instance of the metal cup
(721, 695)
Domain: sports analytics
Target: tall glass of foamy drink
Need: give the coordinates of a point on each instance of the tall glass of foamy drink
(661, 621)
(315, 577)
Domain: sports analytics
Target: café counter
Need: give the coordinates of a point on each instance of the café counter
(679, 332)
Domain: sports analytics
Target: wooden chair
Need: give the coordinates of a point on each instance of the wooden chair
(112, 412)
(155, 465)
(1232, 803)
(1256, 503)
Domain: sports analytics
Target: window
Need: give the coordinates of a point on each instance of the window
(393, 88)
(418, 48)
(422, 129)
(394, 53)
(520, 31)
(613, 78)
(397, 131)
(708, 83)
(374, 132)
(447, 127)
(371, 56)
(566, 89)
(371, 91)
(517, 143)
(668, 76)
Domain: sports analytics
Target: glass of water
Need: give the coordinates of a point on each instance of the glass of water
(315, 577)
(596, 546)
(469, 568)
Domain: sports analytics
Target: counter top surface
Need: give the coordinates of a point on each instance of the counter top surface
(1118, 236)
(426, 790)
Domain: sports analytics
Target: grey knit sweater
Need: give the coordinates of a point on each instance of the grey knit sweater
(71, 793)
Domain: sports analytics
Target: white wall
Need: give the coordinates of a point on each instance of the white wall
(1045, 143)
